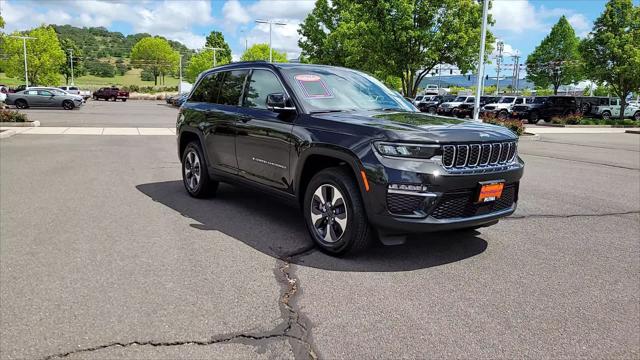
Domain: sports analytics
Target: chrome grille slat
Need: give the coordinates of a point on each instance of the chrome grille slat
(478, 158)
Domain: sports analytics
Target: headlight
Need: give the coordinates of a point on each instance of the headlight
(418, 151)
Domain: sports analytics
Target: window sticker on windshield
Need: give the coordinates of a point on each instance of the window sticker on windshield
(313, 87)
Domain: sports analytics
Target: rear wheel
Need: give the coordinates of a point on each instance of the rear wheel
(431, 110)
(606, 115)
(113, 98)
(195, 175)
(68, 105)
(124, 100)
(636, 116)
(21, 104)
(334, 213)
(503, 115)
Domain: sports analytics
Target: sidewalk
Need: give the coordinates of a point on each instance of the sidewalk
(140, 131)
(572, 130)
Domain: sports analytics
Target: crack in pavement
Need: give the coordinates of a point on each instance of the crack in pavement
(551, 216)
(295, 327)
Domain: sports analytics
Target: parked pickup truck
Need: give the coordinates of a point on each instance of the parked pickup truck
(76, 91)
(110, 93)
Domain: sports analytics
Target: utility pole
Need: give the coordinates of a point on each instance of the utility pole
(180, 72)
(516, 63)
(71, 59)
(271, 23)
(24, 48)
(498, 63)
(476, 106)
(244, 35)
(215, 62)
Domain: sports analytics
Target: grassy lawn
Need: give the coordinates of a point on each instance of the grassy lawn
(132, 77)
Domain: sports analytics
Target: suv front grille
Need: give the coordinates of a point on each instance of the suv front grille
(478, 157)
(461, 204)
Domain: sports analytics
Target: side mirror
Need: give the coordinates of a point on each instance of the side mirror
(277, 102)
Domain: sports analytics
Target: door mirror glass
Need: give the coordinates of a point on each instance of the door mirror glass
(277, 102)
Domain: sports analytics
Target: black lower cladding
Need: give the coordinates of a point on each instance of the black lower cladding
(462, 204)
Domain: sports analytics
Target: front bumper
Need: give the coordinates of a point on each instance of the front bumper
(445, 111)
(448, 203)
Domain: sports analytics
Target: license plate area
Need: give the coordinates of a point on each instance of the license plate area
(490, 191)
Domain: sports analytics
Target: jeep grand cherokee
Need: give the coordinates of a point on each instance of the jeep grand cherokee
(358, 159)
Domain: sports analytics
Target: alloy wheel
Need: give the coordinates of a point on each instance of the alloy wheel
(192, 170)
(328, 213)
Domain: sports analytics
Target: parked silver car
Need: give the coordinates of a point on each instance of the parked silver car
(44, 97)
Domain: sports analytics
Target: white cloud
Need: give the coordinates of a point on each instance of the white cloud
(507, 50)
(520, 16)
(234, 13)
(282, 9)
(169, 18)
(284, 38)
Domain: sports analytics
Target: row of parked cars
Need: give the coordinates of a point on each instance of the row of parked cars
(532, 109)
(66, 97)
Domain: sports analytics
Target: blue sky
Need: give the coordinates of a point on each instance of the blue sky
(521, 24)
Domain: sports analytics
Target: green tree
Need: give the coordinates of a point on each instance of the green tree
(154, 54)
(200, 62)
(216, 40)
(402, 38)
(261, 52)
(78, 60)
(556, 61)
(1, 43)
(611, 51)
(44, 57)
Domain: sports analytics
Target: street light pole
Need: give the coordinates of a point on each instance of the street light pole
(498, 63)
(215, 62)
(71, 58)
(24, 48)
(483, 37)
(180, 72)
(270, 22)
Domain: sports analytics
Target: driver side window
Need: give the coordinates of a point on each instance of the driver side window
(44, 93)
(261, 84)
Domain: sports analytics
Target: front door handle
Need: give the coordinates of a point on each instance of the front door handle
(244, 118)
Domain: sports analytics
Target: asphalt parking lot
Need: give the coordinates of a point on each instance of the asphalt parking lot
(103, 255)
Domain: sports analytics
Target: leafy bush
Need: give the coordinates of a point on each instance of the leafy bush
(101, 69)
(12, 116)
(150, 89)
(570, 119)
(513, 125)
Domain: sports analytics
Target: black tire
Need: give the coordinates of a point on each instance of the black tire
(431, 110)
(606, 115)
(356, 234)
(113, 98)
(21, 104)
(534, 117)
(68, 105)
(205, 187)
(636, 116)
(124, 100)
(503, 115)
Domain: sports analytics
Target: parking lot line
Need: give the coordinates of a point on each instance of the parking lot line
(155, 131)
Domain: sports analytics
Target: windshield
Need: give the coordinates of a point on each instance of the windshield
(506, 100)
(539, 100)
(332, 89)
(470, 99)
(460, 99)
(418, 98)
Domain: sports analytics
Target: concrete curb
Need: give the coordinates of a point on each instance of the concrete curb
(632, 131)
(529, 137)
(20, 124)
(7, 133)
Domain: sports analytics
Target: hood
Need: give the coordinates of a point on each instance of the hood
(421, 127)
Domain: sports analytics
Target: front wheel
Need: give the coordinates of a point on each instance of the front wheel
(334, 213)
(606, 115)
(68, 105)
(124, 100)
(195, 175)
(503, 115)
(431, 110)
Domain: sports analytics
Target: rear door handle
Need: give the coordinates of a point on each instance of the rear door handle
(244, 118)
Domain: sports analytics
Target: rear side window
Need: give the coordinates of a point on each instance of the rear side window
(262, 83)
(231, 87)
(73, 88)
(207, 90)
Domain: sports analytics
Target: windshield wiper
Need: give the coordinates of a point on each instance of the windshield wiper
(328, 111)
